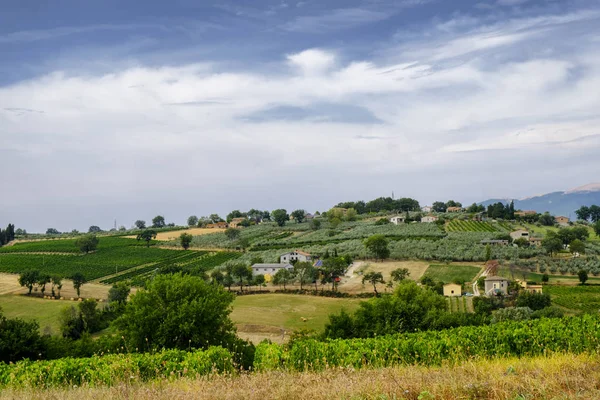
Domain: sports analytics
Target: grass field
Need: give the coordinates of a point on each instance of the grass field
(173, 235)
(266, 315)
(555, 377)
(452, 273)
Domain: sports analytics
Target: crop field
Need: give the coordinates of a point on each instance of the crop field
(578, 299)
(69, 246)
(174, 235)
(460, 304)
(452, 273)
(470, 226)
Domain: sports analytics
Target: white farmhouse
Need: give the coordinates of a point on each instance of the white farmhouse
(427, 209)
(269, 269)
(399, 219)
(296, 255)
(429, 219)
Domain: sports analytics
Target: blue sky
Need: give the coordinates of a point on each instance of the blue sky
(128, 109)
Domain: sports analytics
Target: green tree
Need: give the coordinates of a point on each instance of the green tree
(217, 277)
(192, 220)
(488, 252)
(232, 233)
(140, 224)
(280, 216)
(304, 273)
(351, 214)
(177, 311)
(147, 235)
(583, 213)
(373, 278)
(378, 246)
(383, 221)
(119, 292)
(185, 239)
(234, 214)
(242, 274)
(259, 280)
(28, 279)
(19, 340)
(535, 301)
(282, 277)
(597, 228)
(56, 284)
(43, 280)
(78, 281)
(87, 243)
(439, 206)
(315, 224)
(521, 242)
(158, 222)
(583, 276)
(552, 244)
(545, 278)
(577, 246)
(94, 229)
(546, 219)
(90, 316)
(298, 215)
(400, 274)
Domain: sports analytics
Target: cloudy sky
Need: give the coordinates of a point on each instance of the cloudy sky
(127, 109)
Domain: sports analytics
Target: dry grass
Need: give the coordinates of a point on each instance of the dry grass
(173, 235)
(9, 284)
(557, 377)
(353, 282)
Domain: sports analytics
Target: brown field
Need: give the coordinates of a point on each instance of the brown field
(172, 235)
(9, 284)
(555, 377)
(352, 283)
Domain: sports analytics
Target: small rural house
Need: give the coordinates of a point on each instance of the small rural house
(427, 209)
(530, 288)
(522, 233)
(308, 216)
(494, 242)
(429, 218)
(535, 241)
(236, 222)
(399, 219)
(495, 285)
(452, 290)
(562, 221)
(296, 255)
(217, 225)
(525, 213)
(269, 269)
(454, 209)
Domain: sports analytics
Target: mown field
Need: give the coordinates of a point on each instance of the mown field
(452, 273)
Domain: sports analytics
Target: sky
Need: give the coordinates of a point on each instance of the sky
(123, 110)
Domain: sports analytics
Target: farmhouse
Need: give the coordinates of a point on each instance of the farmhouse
(562, 221)
(217, 225)
(495, 285)
(529, 288)
(452, 290)
(297, 255)
(427, 209)
(429, 218)
(236, 222)
(525, 213)
(454, 209)
(535, 241)
(522, 233)
(399, 219)
(480, 216)
(269, 269)
(494, 242)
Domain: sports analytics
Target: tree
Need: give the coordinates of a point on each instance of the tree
(217, 277)
(28, 279)
(186, 240)
(259, 280)
(584, 213)
(595, 213)
(552, 244)
(232, 233)
(304, 273)
(94, 229)
(315, 224)
(158, 222)
(280, 216)
(177, 311)
(488, 253)
(19, 340)
(351, 214)
(215, 218)
(400, 274)
(535, 301)
(577, 246)
(383, 221)
(298, 215)
(87, 243)
(242, 274)
(597, 228)
(547, 220)
(234, 214)
(378, 246)
(439, 206)
(147, 235)
(78, 281)
(119, 292)
(52, 231)
(333, 268)
(373, 278)
(521, 242)
(43, 280)
(583, 276)
(56, 283)
(545, 278)
(192, 220)
(140, 224)
(282, 277)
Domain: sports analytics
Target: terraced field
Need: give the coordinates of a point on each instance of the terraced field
(471, 226)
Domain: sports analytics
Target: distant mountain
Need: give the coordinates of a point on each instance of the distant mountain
(557, 203)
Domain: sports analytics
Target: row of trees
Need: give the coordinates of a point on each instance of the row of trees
(7, 235)
(32, 278)
(574, 238)
(381, 204)
(440, 206)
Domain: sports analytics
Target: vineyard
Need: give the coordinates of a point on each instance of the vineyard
(578, 298)
(472, 226)
(69, 245)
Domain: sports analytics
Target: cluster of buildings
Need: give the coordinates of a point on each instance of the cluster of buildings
(286, 261)
(494, 286)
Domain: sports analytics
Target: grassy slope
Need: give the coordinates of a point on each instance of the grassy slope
(45, 312)
(555, 377)
(286, 310)
(450, 273)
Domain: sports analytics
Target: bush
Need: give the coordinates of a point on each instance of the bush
(535, 301)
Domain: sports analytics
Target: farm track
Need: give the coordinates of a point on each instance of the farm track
(126, 271)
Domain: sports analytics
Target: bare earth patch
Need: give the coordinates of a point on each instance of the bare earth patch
(352, 282)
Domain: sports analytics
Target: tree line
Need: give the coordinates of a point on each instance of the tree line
(381, 204)
(7, 235)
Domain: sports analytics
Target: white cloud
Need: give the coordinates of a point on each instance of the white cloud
(312, 61)
(342, 18)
